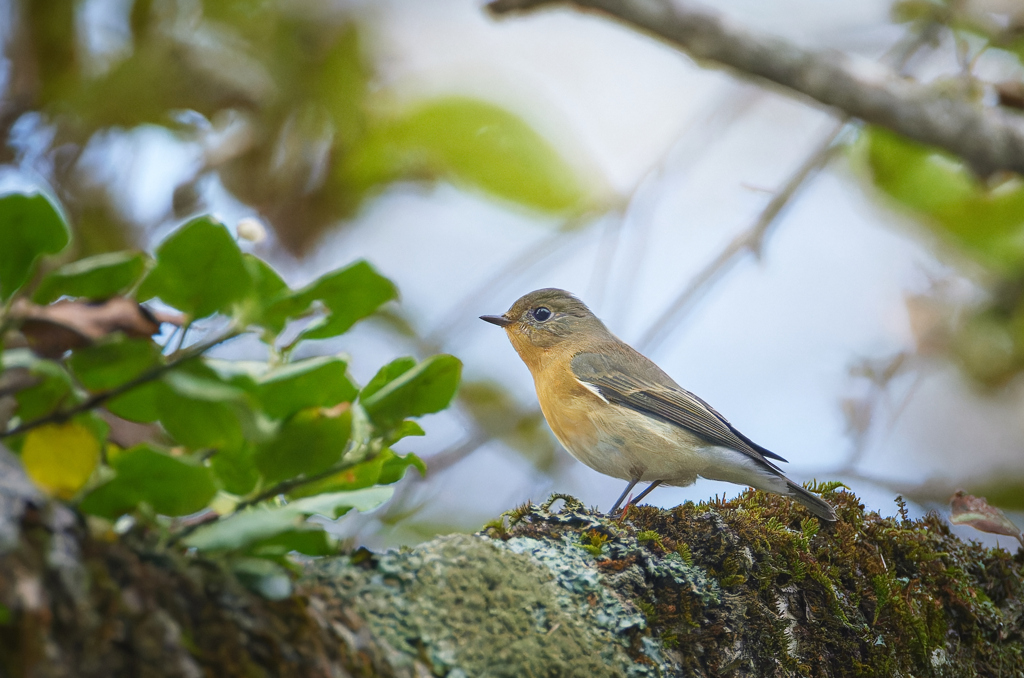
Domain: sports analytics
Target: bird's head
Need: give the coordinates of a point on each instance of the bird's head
(546, 318)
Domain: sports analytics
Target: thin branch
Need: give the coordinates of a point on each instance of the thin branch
(989, 139)
(751, 240)
(280, 488)
(98, 399)
(286, 486)
(684, 153)
(445, 459)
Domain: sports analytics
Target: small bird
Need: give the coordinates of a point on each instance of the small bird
(621, 415)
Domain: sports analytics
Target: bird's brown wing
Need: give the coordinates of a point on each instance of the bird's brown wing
(626, 378)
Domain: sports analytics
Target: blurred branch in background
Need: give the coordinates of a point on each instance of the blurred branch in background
(752, 240)
(988, 139)
(749, 241)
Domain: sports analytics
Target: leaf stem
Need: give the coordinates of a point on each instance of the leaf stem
(278, 489)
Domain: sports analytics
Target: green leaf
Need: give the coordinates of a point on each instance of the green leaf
(108, 365)
(393, 370)
(309, 539)
(471, 143)
(264, 577)
(242, 374)
(424, 389)
(307, 443)
(394, 467)
(383, 469)
(268, 286)
(199, 382)
(99, 277)
(259, 523)
(236, 469)
(171, 485)
(139, 404)
(315, 382)
(30, 227)
(333, 505)
(940, 191)
(198, 423)
(350, 294)
(52, 389)
(199, 270)
(403, 430)
(244, 528)
(198, 408)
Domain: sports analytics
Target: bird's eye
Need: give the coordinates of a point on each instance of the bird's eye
(541, 314)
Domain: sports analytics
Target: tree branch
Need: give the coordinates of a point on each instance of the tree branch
(989, 139)
(98, 399)
(750, 240)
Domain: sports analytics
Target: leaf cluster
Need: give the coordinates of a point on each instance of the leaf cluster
(224, 456)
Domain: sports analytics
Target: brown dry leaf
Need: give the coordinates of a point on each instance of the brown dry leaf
(64, 325)
(126, 434)
(976, 512)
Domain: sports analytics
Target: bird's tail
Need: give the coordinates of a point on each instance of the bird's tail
(814, 503)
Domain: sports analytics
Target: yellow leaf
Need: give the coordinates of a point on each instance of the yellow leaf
(60, 457)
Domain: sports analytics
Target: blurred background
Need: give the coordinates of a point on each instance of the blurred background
(846, 298)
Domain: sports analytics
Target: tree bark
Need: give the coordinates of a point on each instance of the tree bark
(749, 587)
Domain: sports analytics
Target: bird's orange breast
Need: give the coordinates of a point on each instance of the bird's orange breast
(567, 405)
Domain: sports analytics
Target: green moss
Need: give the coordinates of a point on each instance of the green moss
(888, 595)
(751, 586)
(592, 542)
(645, 536)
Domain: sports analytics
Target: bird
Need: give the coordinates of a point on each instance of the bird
(620, 414)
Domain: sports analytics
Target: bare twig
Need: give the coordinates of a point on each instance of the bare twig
(447, 458)
(749, 241)
(280, 488)
(684, 153)
(752, 240)
(989, 139)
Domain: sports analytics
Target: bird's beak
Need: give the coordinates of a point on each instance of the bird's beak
(499, 320)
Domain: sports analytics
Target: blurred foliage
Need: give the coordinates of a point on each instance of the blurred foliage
(984, 222)
(279, 99)
(981, 221)
(503, 418)
(977, 219)
(120, 425)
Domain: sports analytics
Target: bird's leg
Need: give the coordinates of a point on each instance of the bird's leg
(645, 492)
(629, 488)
